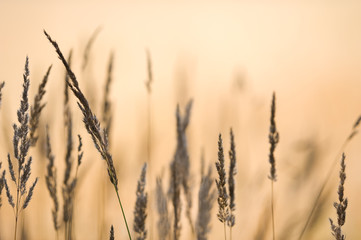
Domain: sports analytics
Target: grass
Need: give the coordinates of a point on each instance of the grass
(174, 209)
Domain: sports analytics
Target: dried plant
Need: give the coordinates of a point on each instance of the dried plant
(206, 198)
(353, 133)
(92, 125)
(21, 143)
(107, 106)
(180, 164)
(88, 47)
(51, 182)
(36, 109)
(231, 184)
(2, 183)
(149, 81)
(148, 85)
(175, 197)
(140, 211)
(1, 88)
(223, 210)
(273, 140)
(69, 193)
(111, 237)
(67, 112)
(162, 207)
(341, 205)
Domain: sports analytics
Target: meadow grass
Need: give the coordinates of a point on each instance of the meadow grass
(174, 207)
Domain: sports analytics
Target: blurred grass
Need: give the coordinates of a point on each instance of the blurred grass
(229, 57)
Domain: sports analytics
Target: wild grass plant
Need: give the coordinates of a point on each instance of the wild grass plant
(178, 212)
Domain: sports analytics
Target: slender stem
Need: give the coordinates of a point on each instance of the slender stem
(17, 202)
(149, 153)
(224, 227)
(66, 231)
(230, 233)
(16, 224)
(273, 218)
(322, 188)
(125, 219)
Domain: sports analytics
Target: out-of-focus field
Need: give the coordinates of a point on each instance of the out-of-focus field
(228, 57)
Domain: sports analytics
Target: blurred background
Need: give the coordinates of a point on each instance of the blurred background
(229, 57)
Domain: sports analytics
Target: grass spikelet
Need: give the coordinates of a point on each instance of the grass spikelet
(2, 183)
(21, 144)
(176, 201)
(107, 106)
(92, 125)
(111, 237)
(36, 109)
(1, 88)
(8, 194)
(206, 198)
(341, 205)
(273, 138)
(182, 157)
(149, 81)
(316, 202)
(89, 46)
(223, 211)
(51, 182)
(162, 208)
(231, 183)
(140, 211)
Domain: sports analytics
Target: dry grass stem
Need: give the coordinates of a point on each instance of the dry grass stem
(180, 165)
(2, 182)
(21, 143)
(231, 183)
(140, 211)
(176, 201)
(111, 237)
(1, 88)
(36, 109)
(162, 207)
(149, 81)
(89, 46)
(107, 106)
(341, 205)
(273, 140)
(206, 198)
(223, 210)
(92, 125)
(51, 182)
(316, 202)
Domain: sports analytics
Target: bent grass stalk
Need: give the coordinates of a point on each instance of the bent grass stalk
(353, 133)
(92, 126)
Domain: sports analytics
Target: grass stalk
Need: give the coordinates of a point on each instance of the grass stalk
(272, 213)
(92, 125)
(224, 230)
(121, 207)
(328, 176)
(273, 139)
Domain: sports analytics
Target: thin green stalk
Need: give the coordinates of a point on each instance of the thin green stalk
(121, 206)
(273, 218)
